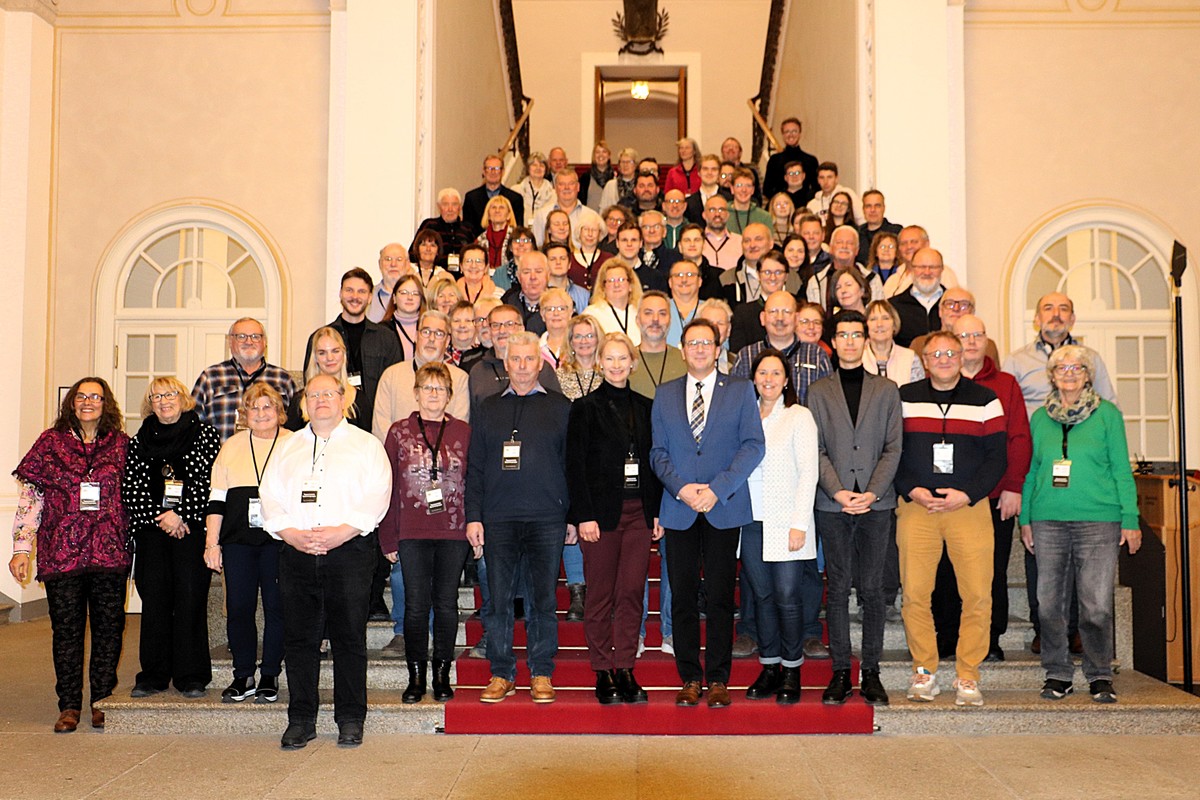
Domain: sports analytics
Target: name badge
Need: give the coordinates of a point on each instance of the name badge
(354, 379)
(254, 513)
(631, 473)
(943, 458)
(172, 493)
(89, 496)
(434, 504)
(510, 456)
(452, 262)
(1060, 473)
(308, 491)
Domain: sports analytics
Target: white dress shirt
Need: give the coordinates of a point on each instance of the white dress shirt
(349, 471)
(706, 391)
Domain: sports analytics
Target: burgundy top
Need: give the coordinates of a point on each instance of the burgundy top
(409, 454)
(70, 541)
(1016, 423)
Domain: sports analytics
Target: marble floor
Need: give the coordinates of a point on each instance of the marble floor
(36, 763)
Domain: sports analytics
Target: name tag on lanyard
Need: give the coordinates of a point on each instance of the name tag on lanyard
(510, 455)
(89, 496)
(943, 458)
(631, 474)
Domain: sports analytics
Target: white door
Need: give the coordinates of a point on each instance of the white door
(149, 350)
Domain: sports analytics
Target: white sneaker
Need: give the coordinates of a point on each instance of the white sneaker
(641, 646)
(967, 693)
(668, 645)
(922, 688)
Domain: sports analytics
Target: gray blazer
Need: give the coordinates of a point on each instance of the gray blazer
(868, 452)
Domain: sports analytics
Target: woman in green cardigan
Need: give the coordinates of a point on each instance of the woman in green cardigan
(1079, 505)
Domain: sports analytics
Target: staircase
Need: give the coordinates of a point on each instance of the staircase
(1010, 691)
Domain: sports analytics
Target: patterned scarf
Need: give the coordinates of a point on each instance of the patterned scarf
(1076, 412)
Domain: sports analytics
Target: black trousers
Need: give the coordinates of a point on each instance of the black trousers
(173, 582)
(713, 551)
(326, 593)
(72, 600)
(431, 570)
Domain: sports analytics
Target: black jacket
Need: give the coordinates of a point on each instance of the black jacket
(475, 201)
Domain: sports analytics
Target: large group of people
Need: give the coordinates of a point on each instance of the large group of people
(747, 370)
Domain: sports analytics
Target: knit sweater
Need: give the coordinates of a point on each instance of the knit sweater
(1018, 445)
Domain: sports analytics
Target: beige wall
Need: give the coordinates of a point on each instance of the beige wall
(817, 81)
(228, 108)
(552, 35)
(471, 109)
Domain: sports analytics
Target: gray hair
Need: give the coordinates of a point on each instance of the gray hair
(1071, 352)
(522, 338)
(449, 192)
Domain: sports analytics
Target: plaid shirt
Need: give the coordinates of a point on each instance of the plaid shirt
(218, 392)
(807, 361)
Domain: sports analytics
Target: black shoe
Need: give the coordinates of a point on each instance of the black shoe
(144, 689)
(442, 689)
(379, 612)
(268, 689)
(1054, 689)
(193, 691)
(1102, 692)
(838, 689)
(628, 686)
(239, 690)
(606, 688)
(767, 683)
(578, 596)
(297, 735)
(871, 688)
(417, 671)
(350, 733)
(995, 653)
(789, 688)
(519, 608)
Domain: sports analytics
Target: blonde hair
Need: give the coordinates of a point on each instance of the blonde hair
(617, 262)
(167, 383)
(570, 362)
(314, 369)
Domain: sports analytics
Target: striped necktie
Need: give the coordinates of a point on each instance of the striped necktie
(697, 419)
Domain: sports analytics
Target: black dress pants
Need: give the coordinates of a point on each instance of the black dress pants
(173, 582)
(713, 551)
(72, 600)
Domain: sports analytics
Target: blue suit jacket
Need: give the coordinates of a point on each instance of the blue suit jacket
(729, 450)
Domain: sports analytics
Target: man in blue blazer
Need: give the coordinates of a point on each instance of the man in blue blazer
(708, 438)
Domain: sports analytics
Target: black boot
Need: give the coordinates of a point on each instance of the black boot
(839, 688)
(416, 682)
(578, 595)
(606, 689)
(628, 686)
(442, 690)
(871, 688)
(767, 684)
(789, 687)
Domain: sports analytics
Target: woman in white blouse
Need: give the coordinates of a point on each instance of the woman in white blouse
(882, 356)
(780, 545)
(615, 299)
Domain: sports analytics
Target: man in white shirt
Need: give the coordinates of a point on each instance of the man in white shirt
(721, 248)
(827, 178)
(326, 488)
(566, 190)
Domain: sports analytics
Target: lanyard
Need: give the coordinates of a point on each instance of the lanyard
(624, 325)
(1066, 430)
(517, 412)
(88, 458)
(249, 379)
(946, 410)
(254, 460)
(434, 449)
(591, 381)
(662, 368)
(683, 322)
(315, 454)
(404, 333)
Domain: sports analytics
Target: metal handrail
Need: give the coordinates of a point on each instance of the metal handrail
(762, 123)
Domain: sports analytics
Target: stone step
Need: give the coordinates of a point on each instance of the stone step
(5, 609)
(382, 672)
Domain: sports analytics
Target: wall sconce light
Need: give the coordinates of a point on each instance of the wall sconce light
(640, 90)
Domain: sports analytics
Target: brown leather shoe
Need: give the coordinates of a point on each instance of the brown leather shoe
(1035, 646)
(97, 718)
(718, 695)
(1075, 645)
(497, 689)
(689, 695)
(541, 690)
(67, 721)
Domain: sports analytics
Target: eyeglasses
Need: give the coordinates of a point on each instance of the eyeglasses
(433, 388)
(247, 337)
(772, 273)
(522, 240)
(326, 394)
(88, 398)
(684, 274)
(392, 259)
(808, 322)
(499, 326)
(555, 308)
(970, 336)
(849, 335)
(475, 260)
(582, 337)
(794, 173)
(718, 211)
(936, 354)
(887, 246)
(699, 343)
(779, 312)
(959, 305)
(408, 293)
(431, 333)
(158, 397)
(1068, 369)
(617, 279)
(261, 409)
(651, 226)
(743, 185)
(675, 202)
(491, 169)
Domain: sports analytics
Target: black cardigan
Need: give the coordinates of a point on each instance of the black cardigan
(597, 446)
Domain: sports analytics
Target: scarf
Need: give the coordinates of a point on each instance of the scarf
(600, 178)
(1075, 413)
(495, 245)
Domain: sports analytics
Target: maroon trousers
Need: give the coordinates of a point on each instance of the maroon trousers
(615, 571)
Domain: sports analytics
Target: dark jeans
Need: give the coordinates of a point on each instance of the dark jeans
(856, 544)
(615, 571)
(72, 600)
(778, 600)
(431, 571)
(713, 550)
(536, 547)
(250, 569)
(173, 582)
(1031, 582)
(812, 593)
(1083, 554)
(334, 589)
(379, 577)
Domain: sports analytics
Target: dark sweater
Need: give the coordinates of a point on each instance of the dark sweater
(537, 492)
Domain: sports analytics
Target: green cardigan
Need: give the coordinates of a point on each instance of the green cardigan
(1101, 488)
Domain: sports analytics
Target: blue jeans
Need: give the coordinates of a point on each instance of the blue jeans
(573, 563)
(397, 584)
(1087, 553)
(856, 545)
(664, 594)
(537, 547)
(778, 600)
(249, 569)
